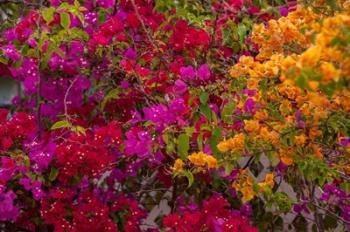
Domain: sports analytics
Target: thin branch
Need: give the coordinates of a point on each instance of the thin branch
(38, 96)
(32, 4)
(65, 99)
(143, 25)
(331, 213)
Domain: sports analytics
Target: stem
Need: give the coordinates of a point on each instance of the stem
(173, 197)
(331, 213)
(38, 96)
(65, 100)
(317, 214)
(143, 24)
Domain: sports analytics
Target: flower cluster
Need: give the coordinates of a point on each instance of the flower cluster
(212, 216)
(244, 183)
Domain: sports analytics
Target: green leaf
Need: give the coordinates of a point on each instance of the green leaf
(200, 141)
(165, 138)
(102, 15)
(215, 139)
(65, 20)
(79, 130)
(204, 98)
(60, 124)
(80, 16)
(4, 60)
(189, 131)
(53, 174)
(242, 31)
(302, 82)
(329, 89)
(345, 186)
(228, 168)
(228, 111)
(65, 6)
(110, 95)
(183, 145)
(321, 180)
(189, 177)
(48, 14)
(76, 3)
(170, 148)
(206, 111)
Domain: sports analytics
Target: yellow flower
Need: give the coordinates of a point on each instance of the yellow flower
(300, 139)
(286, 159)
(202, 159)
(236, 186)
(274, 138)
(290, 91)
(317, 151)
(313, 84)
(223, 146)
(314, 133)
(261, 115)
(262, 187)
(211, 162)
(285, 107)
(269, 180)
(246, 60)
(248, 193)
(237, 142)
(311, 56)
(197, 159)
(264, 133)
(178, 165)
(329, 72)
(251, 126)
(252, 83)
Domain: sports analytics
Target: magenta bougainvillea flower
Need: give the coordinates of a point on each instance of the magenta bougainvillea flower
(8, 211)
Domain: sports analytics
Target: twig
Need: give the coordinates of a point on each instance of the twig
(331, 213)
(33, 4)
(65, 99)
(143, 24)
(38, 96)
(173, 196)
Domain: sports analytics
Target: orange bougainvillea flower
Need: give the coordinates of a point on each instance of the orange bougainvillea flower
(178, 165)
(286, 159)
(300, 139)
(223, 146)
(251, 126)
(311, 56)
(269, 180)
(329, 72)
(248, 193)
(202, 159)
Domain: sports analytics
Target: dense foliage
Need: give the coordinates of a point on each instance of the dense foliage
(162, 115)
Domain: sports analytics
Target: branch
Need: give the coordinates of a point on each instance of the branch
(65, 99)
(143, 25)
(38, 96)
(331, 213)
(32, 4)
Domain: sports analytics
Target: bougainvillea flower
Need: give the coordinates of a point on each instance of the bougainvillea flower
(8, 211)
(203, 72)
(187, 72)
